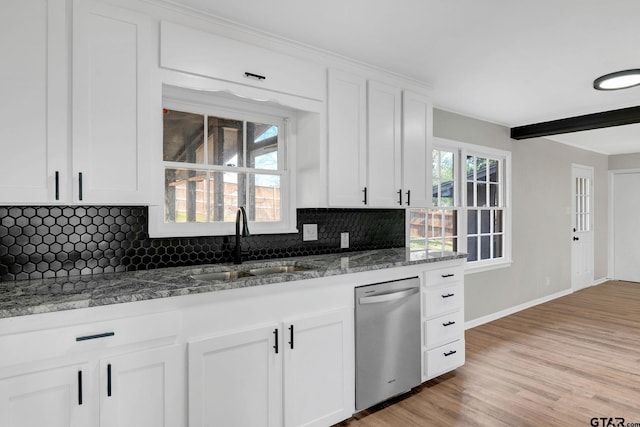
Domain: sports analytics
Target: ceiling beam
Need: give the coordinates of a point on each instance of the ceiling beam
(623, 116)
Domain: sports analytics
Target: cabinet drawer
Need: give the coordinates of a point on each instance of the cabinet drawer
(444, 299)
(444, 359)
(210, 55)
(51, 343)
(444, 276)
(444, 329)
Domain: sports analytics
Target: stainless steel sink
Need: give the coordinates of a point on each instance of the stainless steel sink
(221, 275)
(262, 271)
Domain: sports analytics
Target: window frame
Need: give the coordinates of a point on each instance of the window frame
(230, 107)
(461, 150)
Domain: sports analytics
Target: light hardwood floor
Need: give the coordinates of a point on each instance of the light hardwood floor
(561, 363)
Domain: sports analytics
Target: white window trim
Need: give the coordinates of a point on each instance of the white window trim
(462, 149)
(228, 106)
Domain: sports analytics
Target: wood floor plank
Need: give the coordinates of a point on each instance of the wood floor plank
(561, 363)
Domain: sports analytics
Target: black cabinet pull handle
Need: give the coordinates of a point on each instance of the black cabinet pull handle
(450, 353)
(93, 337)
(79, 387)
(444, 276)
(447, 295)
(449, 323)
(57, 185)
(408, 197)
(275, 346)
(291, 336)
(254, 76)
(575, 238)
(79, 185)
(109, 379)
(400, 196)
(365, 195)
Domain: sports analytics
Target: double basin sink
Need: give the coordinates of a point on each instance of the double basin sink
(248, 270)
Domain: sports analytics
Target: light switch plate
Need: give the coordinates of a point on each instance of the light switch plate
(344, 240)
(309, 232)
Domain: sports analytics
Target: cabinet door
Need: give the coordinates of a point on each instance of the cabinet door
(236, 380)
(58, 397)
(384, 145)
(111, 71)
(33, 88)
(318, 369)
(417, 117)
(347, 120)
(143, 389)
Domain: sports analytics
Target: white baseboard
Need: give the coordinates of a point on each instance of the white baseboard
(511, 310)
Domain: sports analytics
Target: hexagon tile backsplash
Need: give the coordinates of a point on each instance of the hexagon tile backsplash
(56, 241)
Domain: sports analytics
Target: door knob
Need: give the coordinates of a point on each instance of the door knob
(575, 238)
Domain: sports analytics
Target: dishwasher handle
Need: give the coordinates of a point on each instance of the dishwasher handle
(391, 296)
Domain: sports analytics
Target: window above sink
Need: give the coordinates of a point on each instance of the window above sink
(220, 153)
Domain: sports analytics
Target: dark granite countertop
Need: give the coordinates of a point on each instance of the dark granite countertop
(48, 295)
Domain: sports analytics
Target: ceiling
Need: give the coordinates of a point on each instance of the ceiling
(511, 62)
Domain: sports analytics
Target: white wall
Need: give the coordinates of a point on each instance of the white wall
(541, 203)
(624, 161)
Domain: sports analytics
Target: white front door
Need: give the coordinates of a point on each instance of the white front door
(626, 226)
(582, 227)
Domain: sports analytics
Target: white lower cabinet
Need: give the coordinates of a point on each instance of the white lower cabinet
(142, 389)
(443, 346)
(124, 372)
(317, 354)
(139, 389)
(234, 379)
(293, 373)
(51, 397)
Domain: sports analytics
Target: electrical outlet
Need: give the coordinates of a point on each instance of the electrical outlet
(309, 232)
(344, 240)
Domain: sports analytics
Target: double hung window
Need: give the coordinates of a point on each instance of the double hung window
(217, 159)
(470, 205)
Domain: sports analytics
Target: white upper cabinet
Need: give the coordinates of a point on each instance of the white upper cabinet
(385, 151)
(347, 120)
(107, 76)
(210, 55)
(111, 68)
(34, 102)
(378, 144)
(417, 128)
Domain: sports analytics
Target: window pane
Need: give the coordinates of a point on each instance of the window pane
(447, 174)
(497, 221)
(485, 247)
(183, 137)
(185, 195)
(262, 146)
(434, 224)
(264, 197)
(497, 246)
(494, 168)
(435, 171)
(494, 193)
(471, 166)
(451, 244)
(481, 196)
(472, 248)
(485, 221)
(417, 225)
(224, 142)
(471, 194)
(450, 223)
(472, 221)
(226, 192)
(481, 169)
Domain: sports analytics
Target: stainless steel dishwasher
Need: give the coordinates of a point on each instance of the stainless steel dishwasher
(387, 319)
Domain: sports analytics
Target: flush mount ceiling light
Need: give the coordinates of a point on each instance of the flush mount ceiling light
(618, 80)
